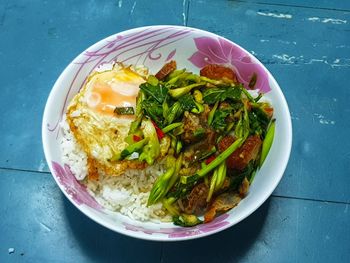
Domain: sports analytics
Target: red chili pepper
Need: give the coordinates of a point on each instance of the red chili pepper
(136, 138)
(210, 159)
(159, 132)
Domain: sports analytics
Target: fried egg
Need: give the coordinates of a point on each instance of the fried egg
(92, 120)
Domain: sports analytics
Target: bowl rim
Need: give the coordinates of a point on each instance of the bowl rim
(246, 213)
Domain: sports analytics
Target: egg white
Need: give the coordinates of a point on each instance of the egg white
(99, 131)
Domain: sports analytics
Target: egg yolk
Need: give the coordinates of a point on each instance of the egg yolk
(111, 89)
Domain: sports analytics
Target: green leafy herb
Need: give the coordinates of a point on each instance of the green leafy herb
(158, 92)
(154, 110)
(258, 121)
(219, 121)
(124, 110)
(212, 95)
(187, 102)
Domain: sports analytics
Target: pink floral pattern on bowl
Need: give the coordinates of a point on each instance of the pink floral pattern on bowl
(219, 51)
(181, 232)
(153, 46)
(73, 188)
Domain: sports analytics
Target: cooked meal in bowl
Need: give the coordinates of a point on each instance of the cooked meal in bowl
(174, 146)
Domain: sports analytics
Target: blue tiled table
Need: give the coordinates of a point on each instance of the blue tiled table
(305, 44)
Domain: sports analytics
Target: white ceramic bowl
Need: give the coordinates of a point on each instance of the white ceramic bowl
(153, 46)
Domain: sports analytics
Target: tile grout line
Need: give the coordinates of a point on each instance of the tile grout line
(187, 11)
(298, 6)
(23, 170)
(311, 199)
(161, 259)
(273, 195)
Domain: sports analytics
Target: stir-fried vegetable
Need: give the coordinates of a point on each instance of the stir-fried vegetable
(213, 132)
(124, 111)
(135, 147)
(267, 142)
(177, 93)
(158, 190)
(152, 150)
(216, 162)
(212, 112)
(210, 96)
(186, 220)
(165, 181)
(171, 127)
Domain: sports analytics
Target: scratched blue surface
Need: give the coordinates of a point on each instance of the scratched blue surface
(305, 44)
(313, 4)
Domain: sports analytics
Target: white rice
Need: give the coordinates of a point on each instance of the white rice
(72, 153)
(127, 193)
